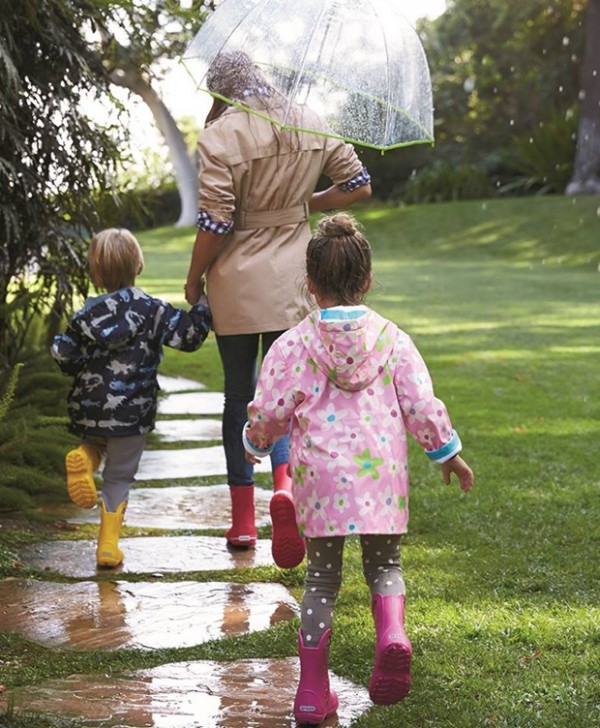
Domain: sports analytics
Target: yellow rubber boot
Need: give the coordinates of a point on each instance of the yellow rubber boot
(81, 464)
(108, 552)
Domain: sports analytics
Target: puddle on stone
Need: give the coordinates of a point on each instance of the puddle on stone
(188, 430)
(189, 463)
(193, 403)
(178, 384)
(147, 555)
(141, 615)
(203, 694)
(180, 507)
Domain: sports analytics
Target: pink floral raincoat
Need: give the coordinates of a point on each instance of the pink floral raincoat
(347, 384)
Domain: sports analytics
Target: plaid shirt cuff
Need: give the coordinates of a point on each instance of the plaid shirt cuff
(205, 222)
(364, 178)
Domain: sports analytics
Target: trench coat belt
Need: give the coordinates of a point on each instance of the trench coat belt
(248, 220)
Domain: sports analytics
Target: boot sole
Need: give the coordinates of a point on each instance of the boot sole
(80, 481)
(287, 546)
(391, 678)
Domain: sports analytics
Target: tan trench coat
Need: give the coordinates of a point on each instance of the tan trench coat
(263, 180)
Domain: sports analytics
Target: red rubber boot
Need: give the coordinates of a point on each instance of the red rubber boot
(314, 699)
(287, 546)
(390, 681)
(243, 527)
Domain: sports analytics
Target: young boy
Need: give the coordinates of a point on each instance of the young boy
(112, 347)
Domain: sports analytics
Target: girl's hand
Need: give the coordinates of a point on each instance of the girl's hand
(463, 472)
(252, 459)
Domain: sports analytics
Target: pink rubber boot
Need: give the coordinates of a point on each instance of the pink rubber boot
(314, 700)
(243, 527)
(287, 546)
(390, 681)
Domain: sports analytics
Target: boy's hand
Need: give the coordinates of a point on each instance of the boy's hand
(463, 472)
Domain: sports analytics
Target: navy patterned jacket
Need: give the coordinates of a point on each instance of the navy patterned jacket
(112, 347)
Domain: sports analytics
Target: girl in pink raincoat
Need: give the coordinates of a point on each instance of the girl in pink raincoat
(347, 385)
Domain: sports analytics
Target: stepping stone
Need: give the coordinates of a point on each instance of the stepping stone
(189, 463)
(197, 403)
(147, 555)
(140, 615)
(178, 384)
(178, 508)
(202, 694)
(190, 430)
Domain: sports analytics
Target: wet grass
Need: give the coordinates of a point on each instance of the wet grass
(502, 298)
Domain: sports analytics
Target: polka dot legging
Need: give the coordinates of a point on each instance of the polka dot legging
(381, 567)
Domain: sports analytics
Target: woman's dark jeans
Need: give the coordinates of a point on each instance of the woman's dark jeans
(239, 355)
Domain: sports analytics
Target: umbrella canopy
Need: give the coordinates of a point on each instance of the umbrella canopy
(359, 64)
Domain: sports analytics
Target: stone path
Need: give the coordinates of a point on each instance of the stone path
(106, 611)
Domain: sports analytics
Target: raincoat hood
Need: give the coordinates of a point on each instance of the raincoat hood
(350, 344)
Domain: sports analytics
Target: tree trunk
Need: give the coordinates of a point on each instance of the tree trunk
(586, 171)
(186, 176)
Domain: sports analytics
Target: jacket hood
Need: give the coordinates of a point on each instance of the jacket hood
(351, 345)
(113, 319)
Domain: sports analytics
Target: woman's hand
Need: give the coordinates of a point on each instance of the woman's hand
(462, 471)
(252, 459)
(194, 290)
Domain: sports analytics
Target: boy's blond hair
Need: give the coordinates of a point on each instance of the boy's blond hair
(114, 259)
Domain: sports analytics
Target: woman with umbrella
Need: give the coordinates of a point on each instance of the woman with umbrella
(257, 188)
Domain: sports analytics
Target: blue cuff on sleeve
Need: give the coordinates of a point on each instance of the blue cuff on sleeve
(447, 451)
(259, 452)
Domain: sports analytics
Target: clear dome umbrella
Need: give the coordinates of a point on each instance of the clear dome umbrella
(359, 64)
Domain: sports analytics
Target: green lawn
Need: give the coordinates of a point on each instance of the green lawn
(503, 300)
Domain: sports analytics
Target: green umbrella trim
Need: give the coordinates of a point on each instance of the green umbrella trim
(286, 127)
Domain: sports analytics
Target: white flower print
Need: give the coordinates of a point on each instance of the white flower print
(387, 498)
(313, 446)
(330, 416)
(391, 418)
(336, 455)
(341, 502)
(318, 505)
(339, 392)
(353, 525)
(272, 374)
(311, 475)
(366, 418)
(393, 467)
(351, 436)
(425, 438)
(368, 399)
(343, 481)
(415, 411)
(421, 381)
(366, 502)
(276, 404)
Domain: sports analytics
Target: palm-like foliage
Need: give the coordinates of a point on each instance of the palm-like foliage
(52, 156)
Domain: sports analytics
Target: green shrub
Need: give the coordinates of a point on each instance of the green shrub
(140, 209)
(33, 439)
(443, 182)
(13, 499)
(541, 161)
(9, 391)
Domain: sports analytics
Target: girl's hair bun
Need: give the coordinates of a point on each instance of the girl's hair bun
(336, 226)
